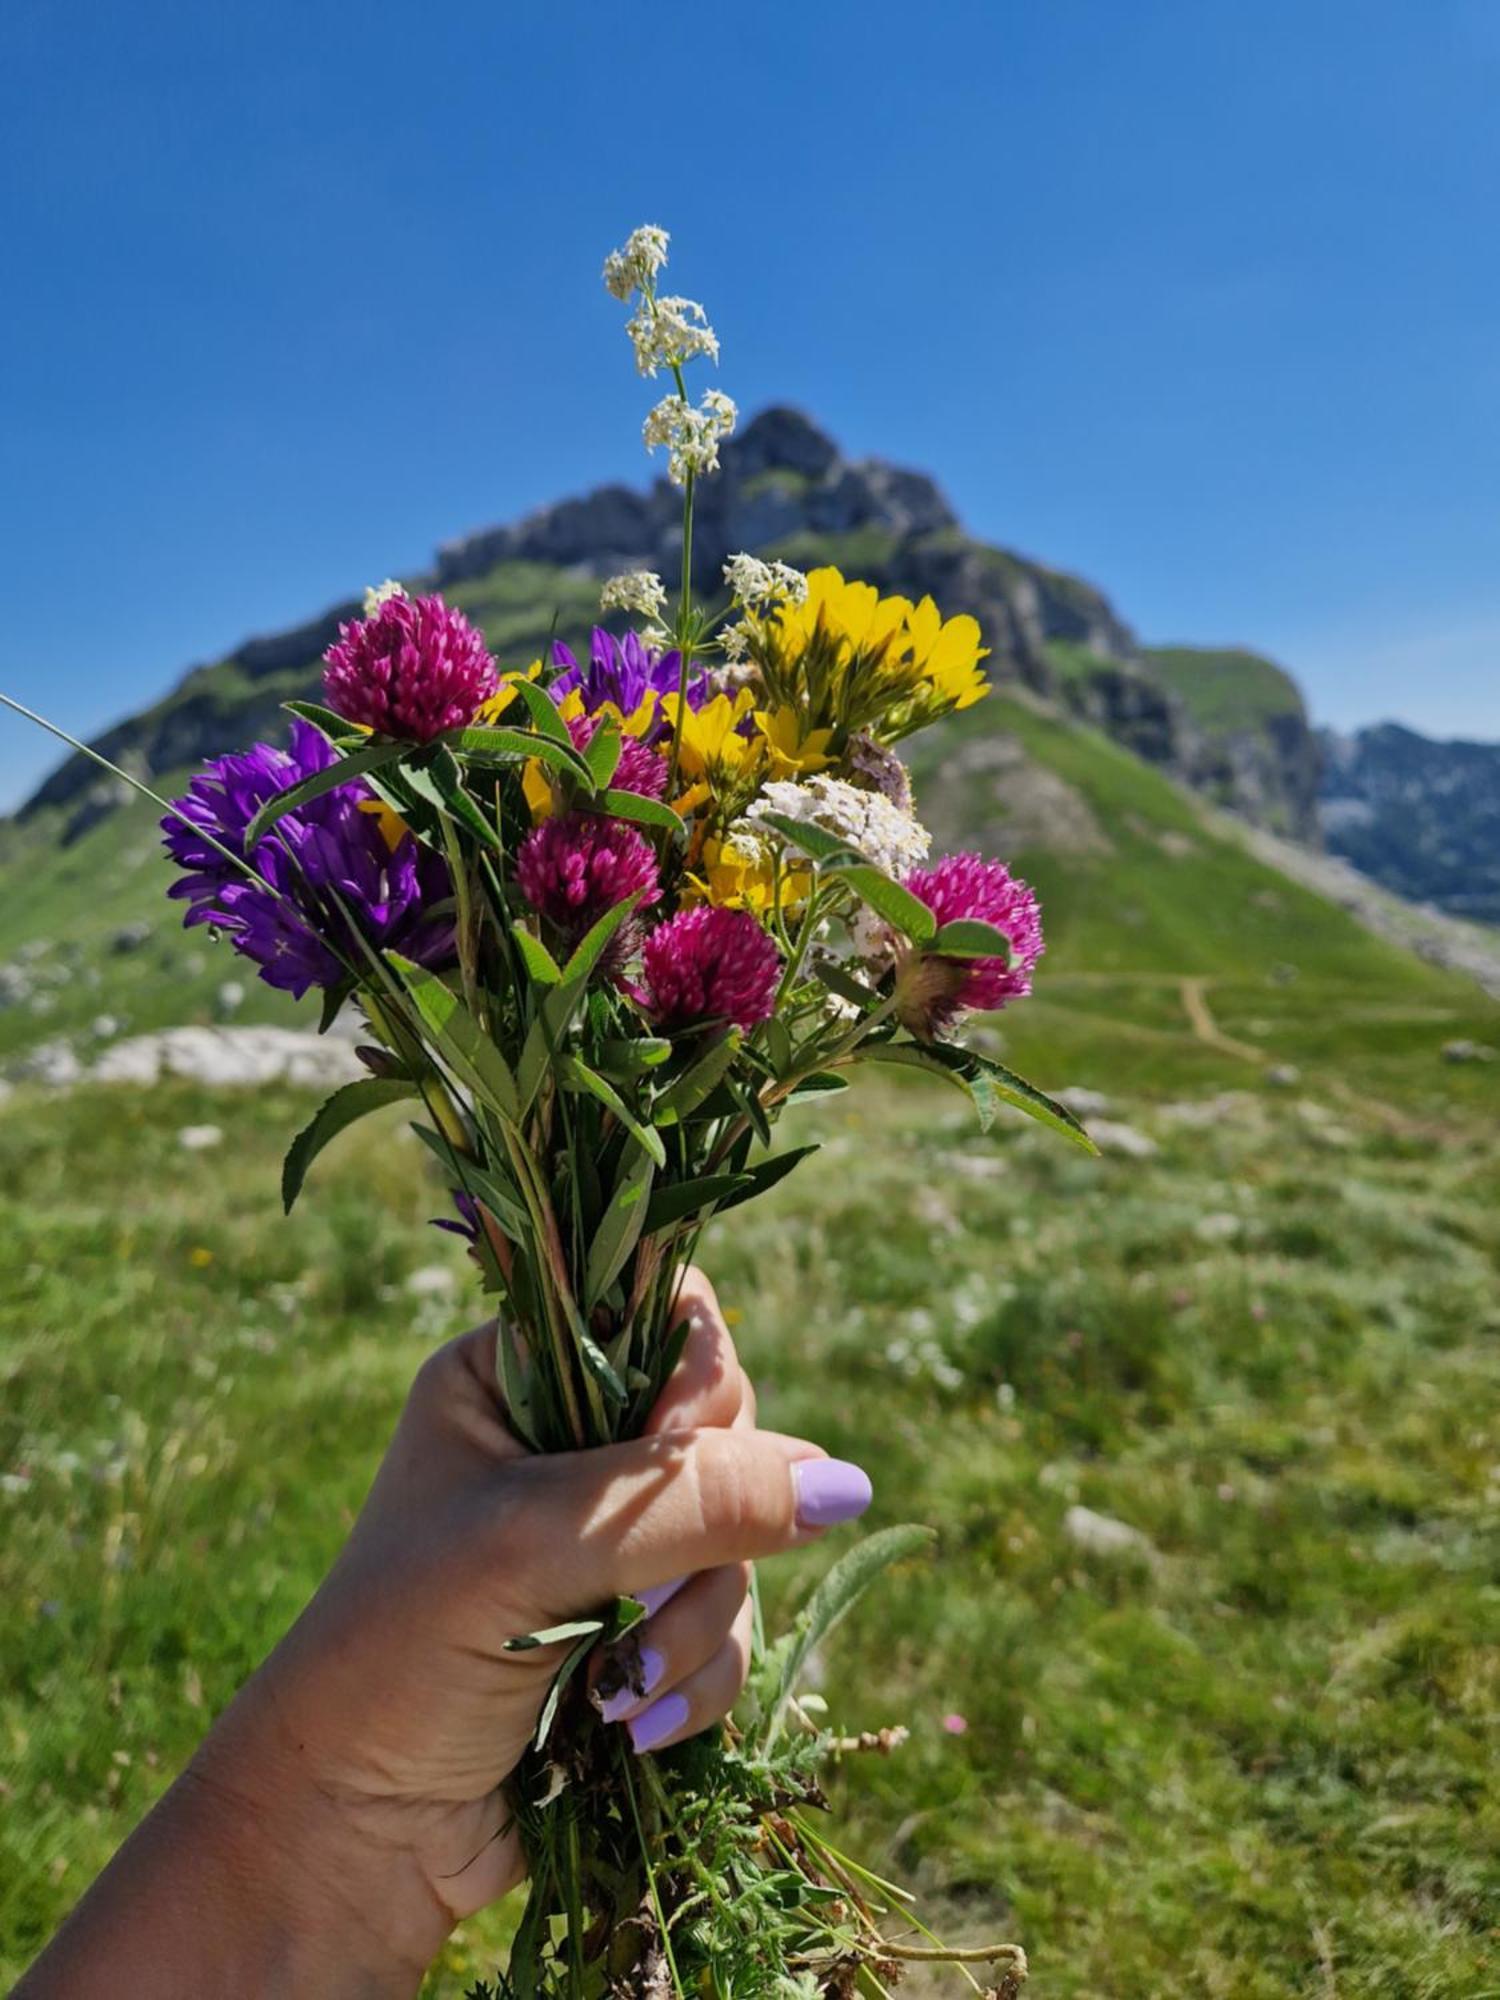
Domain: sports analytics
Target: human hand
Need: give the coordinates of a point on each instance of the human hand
(374, 1744)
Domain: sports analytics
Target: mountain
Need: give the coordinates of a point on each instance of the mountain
(1421, 817)
(784, 489)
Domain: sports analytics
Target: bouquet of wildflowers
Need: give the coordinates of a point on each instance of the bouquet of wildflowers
(605, 919)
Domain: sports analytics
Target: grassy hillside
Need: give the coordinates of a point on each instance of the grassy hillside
(1225, 689)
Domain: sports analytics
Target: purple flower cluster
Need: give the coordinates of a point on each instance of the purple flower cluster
(931, 992)
(708, 964)
(412, 669)
(574, 870)
(624, 671)
(321, 867)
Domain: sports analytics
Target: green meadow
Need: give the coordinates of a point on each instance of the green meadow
(1237, 1742)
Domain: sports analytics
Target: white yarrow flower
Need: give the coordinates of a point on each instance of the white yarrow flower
(632, 269)
(757, 584)
(670, 332)
(377, 594)
(639, 592)
(871, 824)
(690, 436)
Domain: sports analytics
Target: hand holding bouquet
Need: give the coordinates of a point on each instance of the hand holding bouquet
(605, 919)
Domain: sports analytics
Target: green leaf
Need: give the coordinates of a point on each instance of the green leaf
(823, 1083)
(459, 1039)
(888, 899)
(440, 783)
(337, 728)
(764, 1175)
(370, 758)
(538, 961)
(671, 1204)
(560, 1680)
(554, 1635)
(839, 980)
(619, 1232)
(815, 841)
(503, 1200)
(602, 754)
(545, 718)
(629, 1056)
(503, 746)
(838, 1593)
(967, 937)
(683, 1096)
(575, 1074)
(1025, 1097)
(645, 812)
(552, 1023)
(354, 1101)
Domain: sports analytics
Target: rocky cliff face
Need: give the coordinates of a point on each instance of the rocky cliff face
(785, 487)
(1422, 818)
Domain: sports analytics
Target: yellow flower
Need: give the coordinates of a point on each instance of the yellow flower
(393, 827)
(853, 615)
(712, 752)
(947, 654)
(741, 875)
(490, 712)
(793, 747)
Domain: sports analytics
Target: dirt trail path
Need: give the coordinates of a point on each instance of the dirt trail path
(1206, 1029)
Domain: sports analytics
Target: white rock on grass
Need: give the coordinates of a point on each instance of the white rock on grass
(200, 1138)
(1102, 1535)
(1111, 1137)
(1083, 1102)
(53, 1063)
(230, 1056)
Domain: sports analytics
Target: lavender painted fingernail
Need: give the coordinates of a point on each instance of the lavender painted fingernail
(829, 1490)
(656, 1723)
(649, 1666)
(659, 1594)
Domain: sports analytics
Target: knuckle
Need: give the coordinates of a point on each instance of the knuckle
(726, 1490)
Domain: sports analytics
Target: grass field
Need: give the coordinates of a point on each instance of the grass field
(1247, 1756)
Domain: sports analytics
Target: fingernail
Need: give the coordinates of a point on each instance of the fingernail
(656, 1723)
(829, 1490)
(650, 1666)
(659, 1594)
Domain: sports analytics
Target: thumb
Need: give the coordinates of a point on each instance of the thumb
(625, 1517)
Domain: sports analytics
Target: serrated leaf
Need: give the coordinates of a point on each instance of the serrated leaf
(539, 962)
(1023, 1096)
(354, 765)
(838, 1593)
(356, 1100)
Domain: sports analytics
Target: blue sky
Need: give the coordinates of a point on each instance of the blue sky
(1200, 300)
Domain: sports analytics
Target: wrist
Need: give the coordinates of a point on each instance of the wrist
(354, 1912)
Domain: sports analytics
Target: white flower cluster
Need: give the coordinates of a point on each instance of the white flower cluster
(757, 584)
(669, 332)
(377, 594)
(640, 592)
(691, 436)
(871, 824)
(633, 268)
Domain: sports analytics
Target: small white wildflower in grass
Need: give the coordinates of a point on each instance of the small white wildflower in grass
(639, 592)
(632, 269)
(755, 583)
(377, 594)
(691, 436)
(670, 332)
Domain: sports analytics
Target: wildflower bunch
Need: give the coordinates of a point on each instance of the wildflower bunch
(605, 916)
